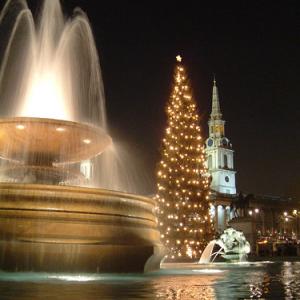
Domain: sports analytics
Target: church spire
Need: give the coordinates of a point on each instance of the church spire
(219, 150)
(215, 110)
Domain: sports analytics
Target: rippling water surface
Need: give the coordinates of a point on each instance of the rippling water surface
(265, 280)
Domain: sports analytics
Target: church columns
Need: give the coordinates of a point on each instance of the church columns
(225, 217)
(222, 216)
(216, 217)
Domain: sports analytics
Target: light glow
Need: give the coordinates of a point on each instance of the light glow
(179, 59)
(87, 141)
(45, 98)
(78, 278)
(208, 271)
(20, 127)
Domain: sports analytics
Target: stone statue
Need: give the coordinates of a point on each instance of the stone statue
(233, 244)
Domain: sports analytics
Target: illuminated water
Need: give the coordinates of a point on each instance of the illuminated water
(261, 280)
(50, 68)
(49, 65)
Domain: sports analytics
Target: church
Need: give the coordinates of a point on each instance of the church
(259, 215)
(219, 152)
(220, 165)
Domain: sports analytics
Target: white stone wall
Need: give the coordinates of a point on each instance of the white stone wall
(219, 172)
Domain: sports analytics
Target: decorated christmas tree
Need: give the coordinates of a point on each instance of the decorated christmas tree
(182, 182)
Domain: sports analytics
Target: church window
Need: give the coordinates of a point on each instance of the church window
(225, 161)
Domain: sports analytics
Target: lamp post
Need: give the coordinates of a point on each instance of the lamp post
(285, 220)
(259, 226)
(258, 220)
(296, 215)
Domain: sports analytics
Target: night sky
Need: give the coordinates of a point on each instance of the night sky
(253, 48)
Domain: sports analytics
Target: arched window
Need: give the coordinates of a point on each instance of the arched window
(209, 162)
(225, 161)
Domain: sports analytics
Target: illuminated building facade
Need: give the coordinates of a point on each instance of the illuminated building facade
(219, 151)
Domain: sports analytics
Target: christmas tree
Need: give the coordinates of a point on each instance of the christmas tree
(182, 182)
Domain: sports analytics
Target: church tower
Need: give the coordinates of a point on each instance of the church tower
(219, 151)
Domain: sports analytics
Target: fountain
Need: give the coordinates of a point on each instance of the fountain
(52, 217)
(232, 244)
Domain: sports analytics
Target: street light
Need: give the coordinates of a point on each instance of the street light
(295, 214)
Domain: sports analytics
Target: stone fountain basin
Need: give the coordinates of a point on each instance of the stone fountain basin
(75, 229)
(49, 141)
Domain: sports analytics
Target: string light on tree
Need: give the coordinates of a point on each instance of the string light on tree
(183, 187)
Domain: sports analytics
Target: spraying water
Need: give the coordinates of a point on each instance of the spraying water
(57, 63)
(50, 69)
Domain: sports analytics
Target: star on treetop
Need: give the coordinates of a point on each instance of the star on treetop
(178, 58)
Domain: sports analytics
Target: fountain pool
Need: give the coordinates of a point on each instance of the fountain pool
(259, 280)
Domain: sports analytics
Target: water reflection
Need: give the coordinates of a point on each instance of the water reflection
(175, 282)
(290, 278)
(184, 287)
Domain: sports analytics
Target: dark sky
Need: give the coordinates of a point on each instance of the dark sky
(253, 48)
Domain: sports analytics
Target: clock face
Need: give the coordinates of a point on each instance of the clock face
(210, 142)
(226, 178)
